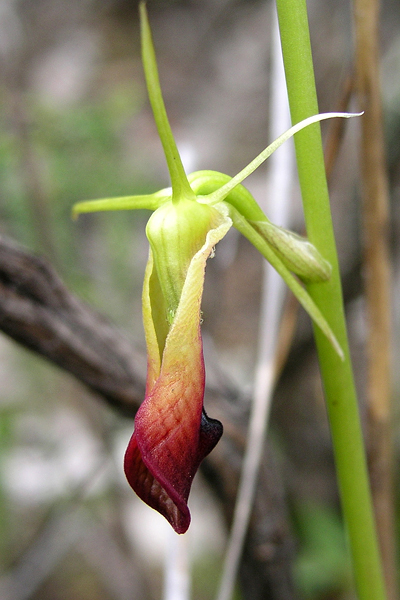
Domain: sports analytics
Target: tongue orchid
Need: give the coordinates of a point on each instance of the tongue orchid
(172, 431)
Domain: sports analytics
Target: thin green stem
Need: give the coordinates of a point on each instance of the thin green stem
(223, 191)
(149, 201)
(179, 181)
(337, 375)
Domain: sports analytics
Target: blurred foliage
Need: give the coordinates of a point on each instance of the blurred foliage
(205, 574)
(322, 568)
(52, 157)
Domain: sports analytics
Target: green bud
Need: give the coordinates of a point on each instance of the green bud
(296, 252)
(176, 231)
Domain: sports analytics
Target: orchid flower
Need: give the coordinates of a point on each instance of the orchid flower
(172, 432)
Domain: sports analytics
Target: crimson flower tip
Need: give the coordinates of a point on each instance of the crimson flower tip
(162, 475)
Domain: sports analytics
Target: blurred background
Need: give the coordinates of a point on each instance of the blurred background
(75, 124)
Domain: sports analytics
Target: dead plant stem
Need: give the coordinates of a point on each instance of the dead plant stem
(377, 279)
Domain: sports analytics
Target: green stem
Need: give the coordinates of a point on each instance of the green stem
(179, 181)
(337, 375)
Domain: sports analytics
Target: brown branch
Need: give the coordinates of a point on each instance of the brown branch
(38, 311)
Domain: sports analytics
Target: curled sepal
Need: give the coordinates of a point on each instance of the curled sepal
(151, 485)
(172, 432)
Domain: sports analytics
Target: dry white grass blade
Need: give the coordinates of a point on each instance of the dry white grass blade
(280, 173)
(177, 567)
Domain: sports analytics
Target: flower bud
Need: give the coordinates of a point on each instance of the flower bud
(296, 252)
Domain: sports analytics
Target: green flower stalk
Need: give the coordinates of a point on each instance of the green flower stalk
(172, 432)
